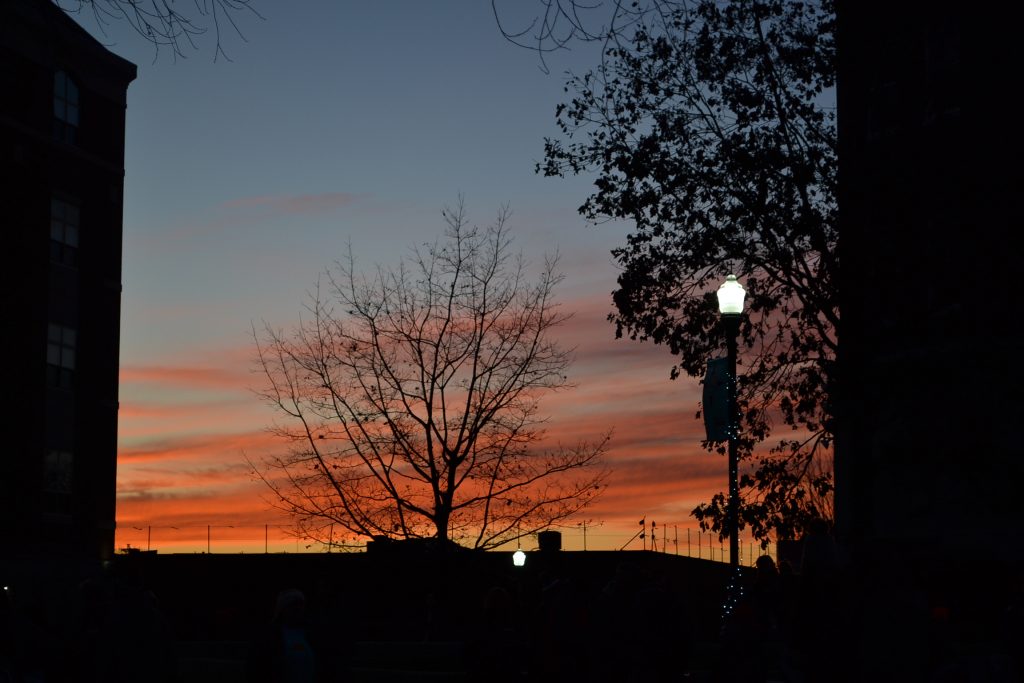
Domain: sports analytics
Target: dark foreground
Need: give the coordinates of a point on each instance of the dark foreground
(421, 616)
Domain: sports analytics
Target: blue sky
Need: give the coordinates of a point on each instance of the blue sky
(398, 107)
(336, 122)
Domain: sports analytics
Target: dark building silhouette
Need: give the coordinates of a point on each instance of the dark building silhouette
(929, 459)
(62, 118)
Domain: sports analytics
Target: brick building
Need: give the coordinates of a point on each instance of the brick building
(62, 125)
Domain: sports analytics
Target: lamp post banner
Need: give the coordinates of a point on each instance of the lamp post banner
(715, 400)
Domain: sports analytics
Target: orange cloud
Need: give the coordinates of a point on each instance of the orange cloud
(183, 447)
(186, 424)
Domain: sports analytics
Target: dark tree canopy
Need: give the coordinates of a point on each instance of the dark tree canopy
(410, 399)
(710, 126)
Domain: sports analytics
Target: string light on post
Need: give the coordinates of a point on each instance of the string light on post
(733, 595)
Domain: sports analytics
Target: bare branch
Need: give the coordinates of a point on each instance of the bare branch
(163, 24)
(414, 397)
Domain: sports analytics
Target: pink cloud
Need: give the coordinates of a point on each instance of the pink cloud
(296, 204)
(135, 411)
(217, 377)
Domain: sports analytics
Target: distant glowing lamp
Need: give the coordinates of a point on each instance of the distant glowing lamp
(730, 297)
(519, 558)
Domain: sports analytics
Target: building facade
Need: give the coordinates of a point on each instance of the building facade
(928, 458)
(62, 127)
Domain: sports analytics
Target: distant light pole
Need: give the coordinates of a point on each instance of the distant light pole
(208, 527)
(730, 305)
(149, 533)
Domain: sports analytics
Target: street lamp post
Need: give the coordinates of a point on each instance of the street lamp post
(149, 533)
(219, 526)
(730, 305)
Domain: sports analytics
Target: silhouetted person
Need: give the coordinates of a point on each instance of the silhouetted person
(740, 659)
(334, 635)
(437, 616)
(617, 631)
(6, 636)
(1011, 630)
(284, 653)
(789, 584)
(642, 629)
(28, 641)
(816, 625)
(766, 598)
(771, 596)
(662, 638)
(563, 628)
(494, 637)
(121, 635)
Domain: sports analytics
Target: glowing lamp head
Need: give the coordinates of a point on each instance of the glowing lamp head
(519, 558)
(730, 297)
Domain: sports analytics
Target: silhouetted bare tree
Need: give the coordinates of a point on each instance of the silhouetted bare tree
(547, 26)
(164, 23)
(410, 398)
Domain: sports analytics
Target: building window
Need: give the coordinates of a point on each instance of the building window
(63, 232)
(60, 356)
(58, 475)
(65, 107)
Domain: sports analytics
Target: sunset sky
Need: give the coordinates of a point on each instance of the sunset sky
(342, 121)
